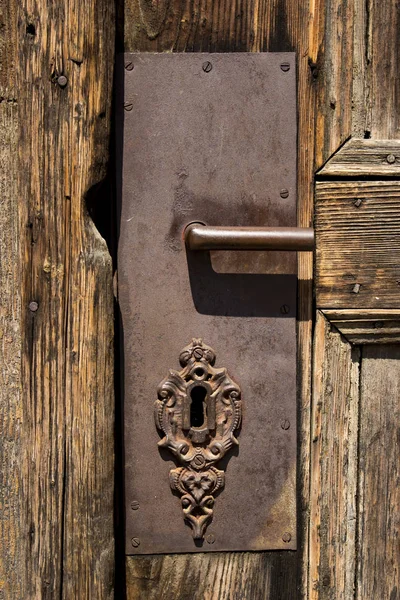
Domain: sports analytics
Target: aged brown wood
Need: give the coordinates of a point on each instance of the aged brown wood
(357, 244)
(379, 491)
(364, 158)
(56, 493)
(364, 319)
(320, 33)
(333, 490)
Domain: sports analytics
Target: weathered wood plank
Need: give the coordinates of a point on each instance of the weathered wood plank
(214, 576)
(358, 244)
(334, 465)
(13, 544)
(379, 491)
(364, 158)
(365, 326)
(57, 309)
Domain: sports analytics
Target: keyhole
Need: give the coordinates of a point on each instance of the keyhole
(198, 395)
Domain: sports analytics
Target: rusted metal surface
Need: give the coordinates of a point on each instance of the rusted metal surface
(199, 411)
(201, 237)
(218, 146)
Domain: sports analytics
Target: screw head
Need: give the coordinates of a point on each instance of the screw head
(285, 309)
(128, 106)
(135, 505)
(285, 424)
(62, 81)
(391, 159)
(210, 538)
(33, 306)
(285, 67)
(286, 537)
(135, 542)
(207, 66)
(198, 353)
(284, 193)
(129, 66)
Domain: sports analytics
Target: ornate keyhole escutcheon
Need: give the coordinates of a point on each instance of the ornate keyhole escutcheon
(199, 411)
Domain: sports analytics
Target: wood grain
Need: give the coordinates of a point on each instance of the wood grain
(357, 244)
(366, 326)
(364, 158)
(207, 576)
(379, 491)
(13, 544)
(333, 499)
(57, 389)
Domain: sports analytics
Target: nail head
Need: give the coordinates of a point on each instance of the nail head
(33, 306)
(62, 81)
(285, 309)
(391, 159)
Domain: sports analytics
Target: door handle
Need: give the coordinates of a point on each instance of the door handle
(203, 237)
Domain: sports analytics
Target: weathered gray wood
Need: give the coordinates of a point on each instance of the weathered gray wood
(13, 545)
(366, 326)
(333, 497)
(364, 158)
(379, 491)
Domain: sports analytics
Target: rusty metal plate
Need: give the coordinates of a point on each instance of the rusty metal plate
(207, 138)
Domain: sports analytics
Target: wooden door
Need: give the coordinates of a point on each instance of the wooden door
(60, 482)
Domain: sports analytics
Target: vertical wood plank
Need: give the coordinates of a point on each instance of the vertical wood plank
(379, 491)
(12, 544)
(334, 465)
(56, 316)
(321, 34)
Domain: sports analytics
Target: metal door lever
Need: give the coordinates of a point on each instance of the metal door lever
(202, 237)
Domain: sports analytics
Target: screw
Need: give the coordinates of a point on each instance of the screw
(207, 66)
(135, 542)
(285, 424)
(357, 202)
(129, 66)
(285, 67)
(284, 193)
(286, 537)
(62, 81)
(198, 353)
(285, 309)
(356, 288)
(33, 306)
(135, 505)
(128, 106)
(391, 159)
(210, 538)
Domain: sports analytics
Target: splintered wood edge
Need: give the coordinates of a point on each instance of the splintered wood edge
(366, 326)
(359, 157)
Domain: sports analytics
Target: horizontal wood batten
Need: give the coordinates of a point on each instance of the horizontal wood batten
(366, 326)
(358, 245)
(364, 158)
